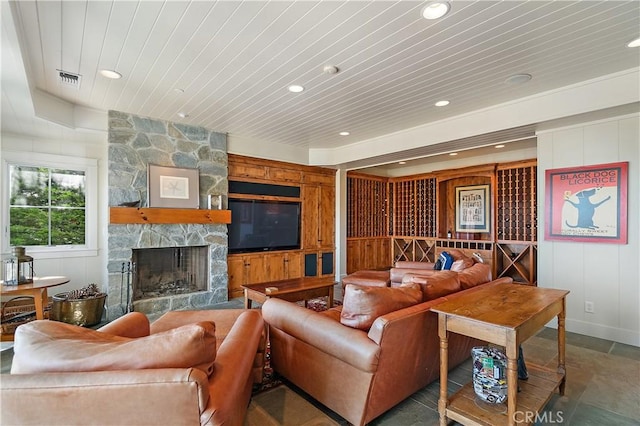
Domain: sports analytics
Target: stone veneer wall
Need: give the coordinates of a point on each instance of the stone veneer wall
(135, 142)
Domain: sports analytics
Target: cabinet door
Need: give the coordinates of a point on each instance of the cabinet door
(354, 255)
(255, 269)
(275, 266)
(236, 269)
(294, 265)
(379, 251)
(327, 212)
(311, 219)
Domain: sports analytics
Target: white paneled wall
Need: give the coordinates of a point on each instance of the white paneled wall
(606, 274)
(81, 270)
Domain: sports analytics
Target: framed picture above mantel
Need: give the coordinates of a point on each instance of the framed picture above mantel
(173, 187)
(587, 203)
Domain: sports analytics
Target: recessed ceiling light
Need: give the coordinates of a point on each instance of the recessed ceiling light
(402, 162)
(453, 153)
(111, 74)
(634, 43)
(296, 88)
(500, 146)
(183, 115)
(344, 133)
(435, 9)
(442, 103)
(518, 79)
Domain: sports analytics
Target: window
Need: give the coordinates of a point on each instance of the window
(51, 202)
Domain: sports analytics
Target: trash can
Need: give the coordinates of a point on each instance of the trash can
(489, 373)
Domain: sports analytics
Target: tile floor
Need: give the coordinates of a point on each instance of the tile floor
(603, 383)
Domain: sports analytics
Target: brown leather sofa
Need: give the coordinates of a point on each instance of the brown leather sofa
(394, 276)
(358, 373)
(113, 395)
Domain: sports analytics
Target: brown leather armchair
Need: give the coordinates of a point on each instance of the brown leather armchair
(171, 396)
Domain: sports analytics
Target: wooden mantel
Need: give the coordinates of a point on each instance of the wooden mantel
(125, 215)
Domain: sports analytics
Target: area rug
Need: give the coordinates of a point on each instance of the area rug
(319, 304)
(281, 406)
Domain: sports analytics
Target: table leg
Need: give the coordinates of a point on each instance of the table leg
(40, 300)
(444, 368)
(330, 297)
(561, 348)
(247, 301)
(512, 378)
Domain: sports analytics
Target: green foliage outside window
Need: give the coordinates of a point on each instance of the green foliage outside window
(46, 206)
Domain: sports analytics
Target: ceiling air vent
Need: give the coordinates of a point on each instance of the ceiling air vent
(69, 79)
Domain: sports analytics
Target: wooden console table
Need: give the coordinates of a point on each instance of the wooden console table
(291, 290)
(505, 315)
(37, 289)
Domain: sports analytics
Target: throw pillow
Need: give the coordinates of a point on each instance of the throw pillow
(361, 305)
(52, 346)
(479, 273)
(435, 285)
(446, 260)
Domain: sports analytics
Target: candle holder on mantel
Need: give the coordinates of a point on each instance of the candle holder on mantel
(17, 268)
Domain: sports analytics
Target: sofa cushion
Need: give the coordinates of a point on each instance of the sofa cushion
(370, 278)
(361, 305)
(52, 346)
(435, 285)
(462, 264)
(479, 273)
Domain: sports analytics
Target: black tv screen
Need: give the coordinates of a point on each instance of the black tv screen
(261, 225)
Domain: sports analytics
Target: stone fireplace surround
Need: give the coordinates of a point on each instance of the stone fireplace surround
(135, 142)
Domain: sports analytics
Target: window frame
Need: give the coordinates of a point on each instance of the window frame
(33, 159)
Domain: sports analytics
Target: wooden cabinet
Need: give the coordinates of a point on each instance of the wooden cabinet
(315, 190)
(282, 266)
(318, 224)
(261, 267)
(368, 253)
(318, 215)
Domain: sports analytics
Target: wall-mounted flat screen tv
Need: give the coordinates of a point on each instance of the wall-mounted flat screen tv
(262, 225)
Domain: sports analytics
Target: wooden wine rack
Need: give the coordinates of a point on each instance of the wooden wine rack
(414, 207)
(367, 206)
(516, 202)
(418, 211)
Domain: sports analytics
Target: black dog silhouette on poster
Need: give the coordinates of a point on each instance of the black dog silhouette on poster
(586, 209)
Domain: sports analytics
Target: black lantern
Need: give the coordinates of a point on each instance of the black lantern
(17, 268)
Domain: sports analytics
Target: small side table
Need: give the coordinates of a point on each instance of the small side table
(37, 289)
(506, 315)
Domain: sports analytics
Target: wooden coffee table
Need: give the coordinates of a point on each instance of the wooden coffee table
(505, 315)
(291, 290)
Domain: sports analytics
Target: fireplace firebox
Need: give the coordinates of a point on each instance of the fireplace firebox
(160, 272)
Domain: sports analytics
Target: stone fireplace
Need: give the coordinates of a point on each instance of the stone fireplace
(134, 143)
(160, 272)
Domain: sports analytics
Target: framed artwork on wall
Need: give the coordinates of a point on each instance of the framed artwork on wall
(173, 187)
(473, 212)
(587, 203)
